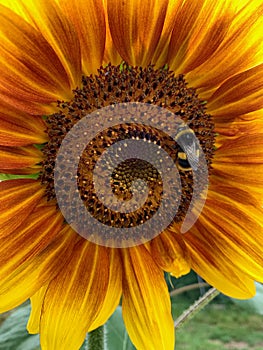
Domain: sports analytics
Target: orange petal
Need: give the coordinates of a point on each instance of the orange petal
(238, 95)
(32, 170)
(111, 54)
(32, 275)
(185, 19)
(89, 22)
(242, 194)
(18, 198)
(246, 149)
(136, 27)
(238, 163)
(199, 29)
(159, 58)
(236, 231)
(19, 129)
(240, 50)
(243, 176)
(56, 28)
(112, 297)
(29, 239)
(75, 297)
(170, 253)
(14, 159)
(31, 73)
(146, 302)
(228, 125)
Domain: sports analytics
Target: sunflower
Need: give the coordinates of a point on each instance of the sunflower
(62, 60)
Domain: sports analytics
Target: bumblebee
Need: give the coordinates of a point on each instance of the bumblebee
(188, 153)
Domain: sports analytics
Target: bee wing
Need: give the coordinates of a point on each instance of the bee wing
(192, 152)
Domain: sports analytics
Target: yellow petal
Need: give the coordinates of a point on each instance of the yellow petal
(146, 302)
(75, 297)
(15, 6)
(31, 74)
(89, 23)
(18, 198)
(19, 129)
(136, 27)
(36, 309)
(212, 267)
(170, 253)
(31, 276)
(112, 297)
(227, 237)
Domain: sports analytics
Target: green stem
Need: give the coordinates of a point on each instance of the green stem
(196, 307)
(96, 340)
(187, 288)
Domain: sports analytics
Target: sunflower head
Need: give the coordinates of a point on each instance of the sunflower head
(136, 129)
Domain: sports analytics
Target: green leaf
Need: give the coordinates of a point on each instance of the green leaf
(13, 333)
(4, 177)
(40, 146)
(117, 336)
(31, 343)
(254, 304)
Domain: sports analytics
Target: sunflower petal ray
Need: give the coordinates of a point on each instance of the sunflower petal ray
(89, 22)
(16, 7)
(110, 53)
(159, 58)
(184, 20)
(198, 31)
(114, 290)
(231, 239)
(240, 94)
(146, 302)
(240, 50)
(46, 15)
(31, 73)
(18, 199)
(34, 274)
(36, 310)
(136, 37)
(16, 158)
(170, 253)
(34, 235)
(247, 151)
(18, 129)
(75, 296)
(213, 268)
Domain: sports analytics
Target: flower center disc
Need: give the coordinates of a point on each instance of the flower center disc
(128, 139)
